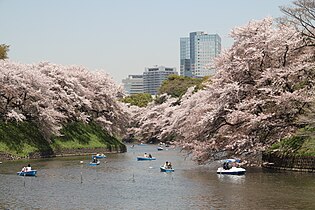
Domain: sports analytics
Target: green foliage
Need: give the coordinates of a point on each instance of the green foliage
(21, 139)
(4, 51)
(81, 135)
(140, 99)
(176, 86)
(160, 99)
(301, 144)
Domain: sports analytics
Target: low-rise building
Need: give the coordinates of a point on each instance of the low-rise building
(133, 84)
(153, 78)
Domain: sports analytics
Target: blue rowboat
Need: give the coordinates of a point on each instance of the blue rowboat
(94, 163)
(27, 173)
(99, 156)
(163, 169)
(145, 158)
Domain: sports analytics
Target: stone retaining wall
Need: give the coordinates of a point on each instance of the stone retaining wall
(66, 152)
(286, 162)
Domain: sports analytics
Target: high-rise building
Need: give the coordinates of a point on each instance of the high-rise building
(185, 57)
(154, 77)
(133, 84)
(203, 48)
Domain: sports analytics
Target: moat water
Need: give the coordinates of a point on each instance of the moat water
(122, 182)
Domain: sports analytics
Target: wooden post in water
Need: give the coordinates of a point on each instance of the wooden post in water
(81, 162)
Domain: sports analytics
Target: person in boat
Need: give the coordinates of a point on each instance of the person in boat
(94, 160)
(166, 164)
(150, 156)
(169, 165)
(226, 166)
(146, 155)
(27, 168)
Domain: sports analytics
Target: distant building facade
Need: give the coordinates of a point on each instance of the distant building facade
(133, 84)
(185, 57)
(154, 77)
(197, 60)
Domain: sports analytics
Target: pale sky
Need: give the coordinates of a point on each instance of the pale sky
(119, 37)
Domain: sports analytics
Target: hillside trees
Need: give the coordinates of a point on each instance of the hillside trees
(140, 99)
(176, 85)
(263, 83)
(52, 95)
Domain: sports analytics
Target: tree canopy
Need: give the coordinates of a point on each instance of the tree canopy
(140, 99)
(51, 95)
(4, 51)
(177, 86)
(302, 15)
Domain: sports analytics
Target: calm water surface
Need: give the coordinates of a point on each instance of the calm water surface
(122, 182)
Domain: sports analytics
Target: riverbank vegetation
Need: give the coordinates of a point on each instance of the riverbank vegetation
(24, 139)
(302, 143)
(48, 98)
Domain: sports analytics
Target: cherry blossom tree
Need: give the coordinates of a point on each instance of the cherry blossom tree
(52, 95)
(264, 82)
(302, 15)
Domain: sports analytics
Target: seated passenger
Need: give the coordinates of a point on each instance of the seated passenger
(28, 168)
(169, 165)
(225, 166)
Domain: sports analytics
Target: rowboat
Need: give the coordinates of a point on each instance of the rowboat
(139, 158)
(163, 169)
(95, 163)
(231, 170)
(99, 156)
(27, 173)
(160, 148)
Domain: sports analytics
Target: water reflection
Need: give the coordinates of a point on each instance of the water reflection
(233, 179)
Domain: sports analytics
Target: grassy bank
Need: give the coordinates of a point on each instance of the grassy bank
(24, 138)
(301, 144)
(20, 139)
(78, 135)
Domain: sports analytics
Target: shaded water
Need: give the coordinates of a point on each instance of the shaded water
(122, 182)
